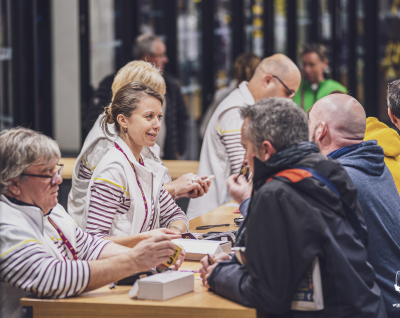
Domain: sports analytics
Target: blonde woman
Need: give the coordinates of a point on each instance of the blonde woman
(126, 194)
(97, 144)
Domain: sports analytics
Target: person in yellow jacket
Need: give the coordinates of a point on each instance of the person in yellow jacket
(388, 138)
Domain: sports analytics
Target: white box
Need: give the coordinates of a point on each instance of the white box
(163, 286)
(197, 249)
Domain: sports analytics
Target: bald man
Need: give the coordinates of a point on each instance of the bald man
(337, 125)
(222, 153)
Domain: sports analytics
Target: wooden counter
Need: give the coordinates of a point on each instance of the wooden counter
(176, 168)
(105, 302)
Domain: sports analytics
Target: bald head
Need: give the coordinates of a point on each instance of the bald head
(263, 84)
(339, 119)
(279, 65)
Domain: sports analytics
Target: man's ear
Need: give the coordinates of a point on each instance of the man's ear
(393, 118)
(13, 187)
(267, 150)
(267, 80)
(326, 64)
(321, 131)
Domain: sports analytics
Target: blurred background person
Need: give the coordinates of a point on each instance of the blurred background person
(243, 70)
(315, 84)
(172, 138)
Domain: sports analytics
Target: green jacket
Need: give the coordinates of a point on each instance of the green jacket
(310, 97)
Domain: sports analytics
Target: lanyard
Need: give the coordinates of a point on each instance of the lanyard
(66, 242)
(138, 182)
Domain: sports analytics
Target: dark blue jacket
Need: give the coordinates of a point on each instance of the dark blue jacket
(380, 201)
(288, 225)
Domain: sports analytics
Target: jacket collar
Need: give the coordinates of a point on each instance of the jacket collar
(31, 211)
(283, 159)
(248, 98)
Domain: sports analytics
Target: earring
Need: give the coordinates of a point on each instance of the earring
(126, 130)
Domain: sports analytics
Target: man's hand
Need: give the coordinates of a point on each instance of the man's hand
(152, 252)
(241, 190)
(206, 269)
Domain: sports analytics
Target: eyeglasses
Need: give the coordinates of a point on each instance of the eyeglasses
(291, 93)
(53, 177)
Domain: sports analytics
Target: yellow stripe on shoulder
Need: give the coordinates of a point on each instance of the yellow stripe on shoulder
(116, 184)
(227, 131)
(18, 245)
(85, 162)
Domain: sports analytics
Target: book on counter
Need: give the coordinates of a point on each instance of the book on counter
(163, 286)
(196, 249)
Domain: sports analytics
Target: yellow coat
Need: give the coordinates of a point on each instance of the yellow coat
(389, 140)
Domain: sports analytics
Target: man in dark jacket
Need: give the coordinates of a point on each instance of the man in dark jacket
(337, 125)
(294, 220)
(172, 138)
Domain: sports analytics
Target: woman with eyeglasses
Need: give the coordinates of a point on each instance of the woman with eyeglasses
(126, 195)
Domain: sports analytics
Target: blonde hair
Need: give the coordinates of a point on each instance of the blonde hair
(139, 71)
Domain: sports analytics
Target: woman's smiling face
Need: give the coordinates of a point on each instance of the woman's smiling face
(144, 124)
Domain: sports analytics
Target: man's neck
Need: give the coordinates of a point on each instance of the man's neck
(253, 89)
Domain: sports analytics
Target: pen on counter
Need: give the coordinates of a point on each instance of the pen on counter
(210, 260)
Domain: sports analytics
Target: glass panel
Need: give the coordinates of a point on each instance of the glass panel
(189, 48)
(6, 119)
(152, 17)
(343, 38)
(360, 51)
(303, 23)
(254, 26)
(222, 42)
(102, 39)
(280, 26)
(389, 50)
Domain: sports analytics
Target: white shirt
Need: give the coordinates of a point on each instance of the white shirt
(34, 258)
(222, 153)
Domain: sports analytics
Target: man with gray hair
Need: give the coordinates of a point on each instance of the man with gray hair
(172, 137)
(42, 250)
(386, 137)
(296, 225)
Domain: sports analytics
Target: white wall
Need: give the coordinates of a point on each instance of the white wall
(66, 79)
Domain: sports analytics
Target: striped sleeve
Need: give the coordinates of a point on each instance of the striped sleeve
(169, 211)
(233, 147)
(88, 248)
(108, 196)
(228, 129)
(29, 267)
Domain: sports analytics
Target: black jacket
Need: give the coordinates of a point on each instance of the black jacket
(176, 117)
(288, 225)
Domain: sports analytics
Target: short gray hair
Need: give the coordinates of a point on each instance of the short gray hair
(19, 149)
(278, 120)
(393, 97)
(143, 45)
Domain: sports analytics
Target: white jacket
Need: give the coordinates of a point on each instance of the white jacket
(214, 157)
(34, 259)
(114, 183)
(94, 148)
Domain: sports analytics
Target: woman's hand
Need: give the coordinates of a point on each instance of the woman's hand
(171, 233)
(180, 260)
(184, 184)
(186, 188)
